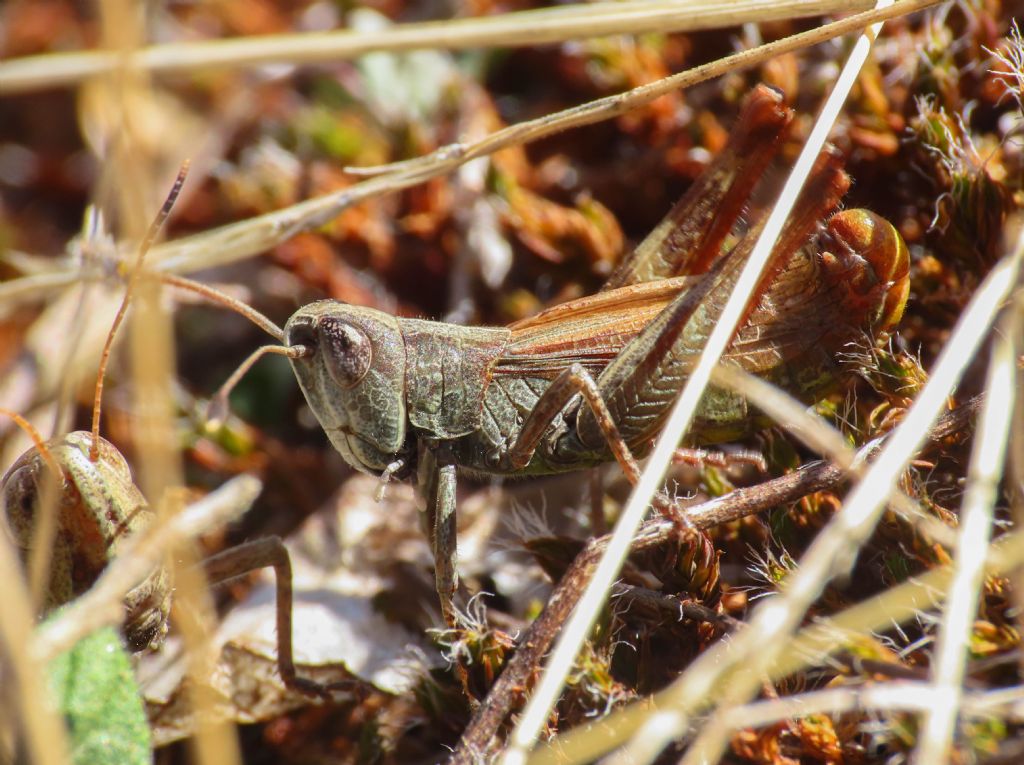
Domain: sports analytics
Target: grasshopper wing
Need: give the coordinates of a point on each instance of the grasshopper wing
(590, 331)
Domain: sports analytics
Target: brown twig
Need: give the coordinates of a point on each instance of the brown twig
(737, 504)
(812, 477)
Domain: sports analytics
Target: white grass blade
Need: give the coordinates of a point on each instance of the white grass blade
(897, 696)
(810, 647)
(583, 617)
(732, 673)
(988, 456)
(814, 432)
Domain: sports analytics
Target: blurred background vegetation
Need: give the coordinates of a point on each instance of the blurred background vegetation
(931, 137)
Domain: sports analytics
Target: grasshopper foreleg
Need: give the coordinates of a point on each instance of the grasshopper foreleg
(437, 477)
(437, 483)
(257, 554)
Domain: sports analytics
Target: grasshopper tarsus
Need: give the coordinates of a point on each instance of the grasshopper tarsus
(719, 459)
(262, 553)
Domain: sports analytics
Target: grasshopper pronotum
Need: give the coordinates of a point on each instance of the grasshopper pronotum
(588, 381)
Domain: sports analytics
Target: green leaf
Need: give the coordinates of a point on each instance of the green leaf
(95, 689)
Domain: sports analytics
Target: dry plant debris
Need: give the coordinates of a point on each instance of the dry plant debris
(932, 137)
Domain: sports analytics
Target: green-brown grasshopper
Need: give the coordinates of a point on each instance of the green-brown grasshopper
(592, 379)
(98, 508)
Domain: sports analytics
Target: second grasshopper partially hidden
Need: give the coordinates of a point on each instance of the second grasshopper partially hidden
(97, 508)
(591, 380)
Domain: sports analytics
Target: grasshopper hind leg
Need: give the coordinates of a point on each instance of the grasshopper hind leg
(688, 240)
(257, 554)
(575, 380)
(641, 382)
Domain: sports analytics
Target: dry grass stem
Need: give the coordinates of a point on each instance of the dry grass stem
(523, 28)
(815, 433)
(789, 413)
(159, 468)
(900, 696)
(245, 239)
(808, 648)
(860, 557)
(215, 739)
(101, 605)
(834, 549)
(731, 673)
(44, 735)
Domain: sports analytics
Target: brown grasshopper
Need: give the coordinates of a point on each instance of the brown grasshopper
(99, 508)
(591, 380)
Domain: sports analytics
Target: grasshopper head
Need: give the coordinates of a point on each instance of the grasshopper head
(99, 510)
(877, 264)
(353, 378)
(98, 502)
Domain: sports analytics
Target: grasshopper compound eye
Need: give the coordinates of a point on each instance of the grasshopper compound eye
(18, 495)
(346, 350)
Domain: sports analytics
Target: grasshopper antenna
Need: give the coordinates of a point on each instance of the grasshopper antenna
(218, 405)
(218, 409)
(37, 439)
(220, 298)
(147, 242)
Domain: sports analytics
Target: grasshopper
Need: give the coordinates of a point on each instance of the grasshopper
(592, 379)
(99, 508)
